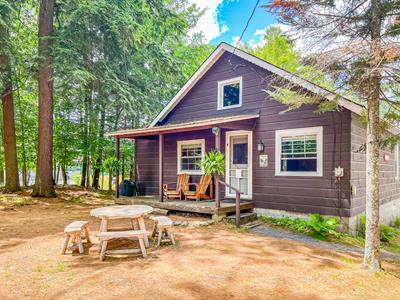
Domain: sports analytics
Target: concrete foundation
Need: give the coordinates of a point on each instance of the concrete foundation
(388, 213)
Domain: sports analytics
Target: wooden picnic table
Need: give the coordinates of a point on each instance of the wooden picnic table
(135, 213)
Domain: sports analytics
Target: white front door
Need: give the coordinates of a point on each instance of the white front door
(238, 154)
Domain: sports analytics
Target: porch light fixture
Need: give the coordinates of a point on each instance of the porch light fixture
(260, 146)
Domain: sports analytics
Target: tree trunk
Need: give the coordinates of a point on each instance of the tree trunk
(24, 175)
(88, 173)
(44, 181)
(2, 175)
(372, 256)
(110, 175)
(64, 175)
(97, 166)
(9, 138)
(58, 173)
(84, 171)
(23, 137)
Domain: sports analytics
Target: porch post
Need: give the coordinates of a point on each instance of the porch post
(216, 177)
(161, 162)
(117, 146)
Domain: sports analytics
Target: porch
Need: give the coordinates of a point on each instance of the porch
(163, 152)
(207, 207)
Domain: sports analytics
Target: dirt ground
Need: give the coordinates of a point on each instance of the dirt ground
(214, 262)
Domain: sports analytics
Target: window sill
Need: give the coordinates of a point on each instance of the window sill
(299, 174)
(229, 107)
(191, 172)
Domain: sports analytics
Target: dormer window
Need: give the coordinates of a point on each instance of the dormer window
(230, 93)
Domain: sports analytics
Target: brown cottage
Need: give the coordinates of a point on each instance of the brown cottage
(291, 163)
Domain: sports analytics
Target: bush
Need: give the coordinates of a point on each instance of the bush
(322, 227)
(387, 233)
(396, 222)
(315, 225)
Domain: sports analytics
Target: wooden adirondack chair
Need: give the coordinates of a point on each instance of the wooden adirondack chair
(176, 193)
(201, 189)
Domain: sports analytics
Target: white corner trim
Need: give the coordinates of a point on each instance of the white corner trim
(279, 134)
(179, 155)
(357, 109)
(221, 84)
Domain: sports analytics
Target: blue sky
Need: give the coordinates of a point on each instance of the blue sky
(225, 20)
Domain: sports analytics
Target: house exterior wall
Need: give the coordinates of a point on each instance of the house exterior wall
(148, 160)
(298, 194)
(389, 186)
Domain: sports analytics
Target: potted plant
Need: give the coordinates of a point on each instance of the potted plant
(213, 164)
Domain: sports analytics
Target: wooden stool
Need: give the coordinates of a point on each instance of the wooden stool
(105, 236)
(161, 226)
(74, 231)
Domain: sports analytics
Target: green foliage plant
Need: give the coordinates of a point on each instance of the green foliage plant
(387, 233)
(213, 163)
(396, 222)
(112, 165)
(315, 225)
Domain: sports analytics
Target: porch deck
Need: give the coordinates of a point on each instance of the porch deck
(201, 207)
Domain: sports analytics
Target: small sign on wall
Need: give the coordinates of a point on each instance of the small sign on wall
(263, 159)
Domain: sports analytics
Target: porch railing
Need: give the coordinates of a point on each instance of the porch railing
(237, 201)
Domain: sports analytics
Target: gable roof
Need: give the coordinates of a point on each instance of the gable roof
(221, 49)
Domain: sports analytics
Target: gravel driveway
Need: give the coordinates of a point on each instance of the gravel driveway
(305, 239)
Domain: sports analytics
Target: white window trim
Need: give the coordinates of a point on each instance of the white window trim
(221, 84)
(396, 161)
(179, 154)
(279, 134)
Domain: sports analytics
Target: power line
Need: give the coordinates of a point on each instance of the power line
(244, 30)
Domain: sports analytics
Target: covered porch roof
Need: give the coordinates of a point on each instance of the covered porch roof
(182, 127)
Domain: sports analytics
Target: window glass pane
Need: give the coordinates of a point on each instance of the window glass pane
(299, 153)
(299, 165)
(231, 94)
(191, 155)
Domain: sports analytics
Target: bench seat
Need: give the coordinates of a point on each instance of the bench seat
(105, 236)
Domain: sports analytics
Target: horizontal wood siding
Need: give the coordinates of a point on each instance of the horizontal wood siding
(147, 166)
(296, 194)
(147, 158)
(389, 186)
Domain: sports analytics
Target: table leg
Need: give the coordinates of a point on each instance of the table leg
(103, 228)
(143, 228)
(135, 224)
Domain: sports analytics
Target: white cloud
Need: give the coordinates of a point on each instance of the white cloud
(208, 23)
(260, 32)
(235, 40)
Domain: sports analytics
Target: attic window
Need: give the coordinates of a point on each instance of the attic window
(230, 93)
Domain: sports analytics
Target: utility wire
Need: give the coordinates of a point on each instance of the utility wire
(244, 30)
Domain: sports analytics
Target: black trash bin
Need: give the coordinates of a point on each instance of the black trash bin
(127, 188)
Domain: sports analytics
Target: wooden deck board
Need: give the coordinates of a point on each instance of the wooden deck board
(202, 207)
